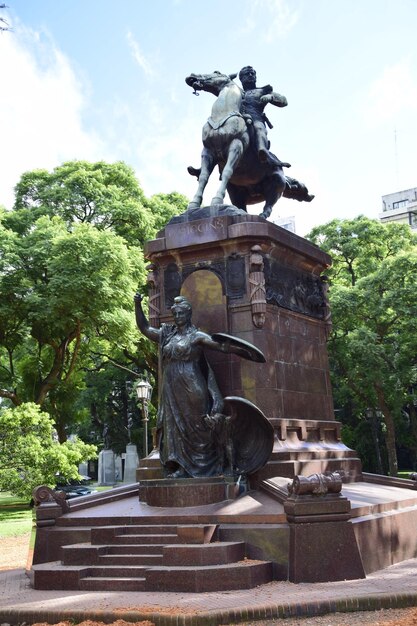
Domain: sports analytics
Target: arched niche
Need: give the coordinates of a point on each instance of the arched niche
(204, 290)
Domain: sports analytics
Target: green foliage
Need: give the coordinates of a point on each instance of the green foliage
(164, 206)
(61, 291)
(358, 246)
(30, 455)
(104, 195)
(373, 345)
(71, 259)
(107, 196)
(111, 401)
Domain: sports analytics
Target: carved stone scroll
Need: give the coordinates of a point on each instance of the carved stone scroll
(327, 314)
(257, 287)
(154, 295)
(46, 494)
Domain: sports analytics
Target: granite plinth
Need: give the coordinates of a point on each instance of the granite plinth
(186, 492)
(117, 530)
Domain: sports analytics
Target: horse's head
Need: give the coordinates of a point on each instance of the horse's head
(213, 83)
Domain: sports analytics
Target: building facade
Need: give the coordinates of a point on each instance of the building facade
(400, 207)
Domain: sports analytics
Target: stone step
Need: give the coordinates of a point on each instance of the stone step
(115, 571)
(243, 575)
(204, 554)
(92, 583)
(141, 549)
(144, 539)
(196, 533)
(104, 534)
(54, 575)
(86, 554)
(129, 575)
(146, 529)
(150, 560)
(81, 554)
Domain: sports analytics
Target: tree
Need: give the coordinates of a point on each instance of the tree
(373, 296)
(110, 398)
(358, 246)
(30, 455)
(164, 206)
(62, 293)
(70, 261)
(105, 195)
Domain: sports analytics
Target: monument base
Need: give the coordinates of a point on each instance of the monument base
(185, 492)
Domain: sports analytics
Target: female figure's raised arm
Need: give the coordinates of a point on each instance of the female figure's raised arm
(142, 323)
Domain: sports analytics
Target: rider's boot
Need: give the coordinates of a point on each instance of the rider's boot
(262, 144)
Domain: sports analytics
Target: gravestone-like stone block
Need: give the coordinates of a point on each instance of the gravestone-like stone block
(106, 468)
(131, 463)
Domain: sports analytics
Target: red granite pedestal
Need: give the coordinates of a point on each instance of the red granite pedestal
(186, 492)
(257, 281)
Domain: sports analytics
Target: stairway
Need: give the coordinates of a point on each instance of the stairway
(153, 558)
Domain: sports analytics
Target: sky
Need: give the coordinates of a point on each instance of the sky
(105, 80)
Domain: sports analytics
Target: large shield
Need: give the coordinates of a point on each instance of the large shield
(251, 432)
(240, 346)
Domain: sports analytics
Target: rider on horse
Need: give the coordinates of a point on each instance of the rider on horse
(254, 101)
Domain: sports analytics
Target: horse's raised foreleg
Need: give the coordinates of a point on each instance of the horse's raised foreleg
(208, 162)
(273, 188)
(236, 150)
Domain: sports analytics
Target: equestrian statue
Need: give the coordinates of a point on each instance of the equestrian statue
(235, 139)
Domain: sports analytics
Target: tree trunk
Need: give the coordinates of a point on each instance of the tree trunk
(390, 438)
(377, 444)
(413, 430)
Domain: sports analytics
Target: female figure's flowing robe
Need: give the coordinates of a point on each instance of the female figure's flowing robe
(185, 401)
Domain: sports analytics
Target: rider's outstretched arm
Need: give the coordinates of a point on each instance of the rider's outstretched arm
(274, 98)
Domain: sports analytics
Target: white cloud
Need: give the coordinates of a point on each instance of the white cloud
(391, 94)
(137, 54)
(41, 104)
(271, 19)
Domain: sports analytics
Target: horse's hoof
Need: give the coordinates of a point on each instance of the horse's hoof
(265, 215)
(217, 200)
(194, 205)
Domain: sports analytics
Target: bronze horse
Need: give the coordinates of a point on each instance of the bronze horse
(227, 143)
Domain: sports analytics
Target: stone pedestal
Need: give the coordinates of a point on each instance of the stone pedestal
(106, 468)
(131, 463)
(257, 281)
(210, 262)
(323, 545)
(185, 492)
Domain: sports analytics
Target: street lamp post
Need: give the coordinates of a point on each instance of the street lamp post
(144, 392)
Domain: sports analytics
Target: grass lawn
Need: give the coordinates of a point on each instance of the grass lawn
(15, 516)
(404, 473)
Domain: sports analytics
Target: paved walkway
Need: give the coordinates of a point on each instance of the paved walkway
(393, 587)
